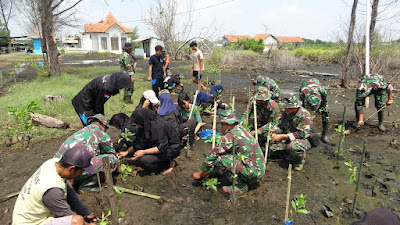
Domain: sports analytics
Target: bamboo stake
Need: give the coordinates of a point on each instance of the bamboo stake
(10, 196)
(383, 107)
(214, 124)
(233, 103)
(121, 190)
(230, 94)
(247, 114)
(110, 184)
(234, 171)
(359, 177)
(267, 146)
(194, 103)
(341, 133)
(255, 120)
(288, 192)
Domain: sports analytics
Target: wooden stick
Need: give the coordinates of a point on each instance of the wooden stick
(230, 94)
(373, 114)
(234, 171)
(247, 114)
(359, 177)
(214, 124)
(194, 104)
(342, 131)
(110, 184)
(255, 120)
(267, 146)
(121, 190)
(288, 192)
(367, 102)
(10, 196)
(233, 103)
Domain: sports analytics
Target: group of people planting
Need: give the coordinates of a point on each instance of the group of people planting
(156, 131)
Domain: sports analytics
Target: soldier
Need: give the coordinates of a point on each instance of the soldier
(128, 65)
(98, 142)
(372, 85)
(249, 159)
(268, 83)
(313, 97)
(292, 131)
(267, 110)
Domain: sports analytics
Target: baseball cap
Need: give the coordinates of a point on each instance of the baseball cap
(150, 95)
(99, 117)
(228, 116)
(80, 157)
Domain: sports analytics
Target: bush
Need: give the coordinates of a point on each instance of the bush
(247, 44)
(215, 58)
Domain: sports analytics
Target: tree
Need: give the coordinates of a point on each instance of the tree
(6, 7)
(350, 41)
(4, 34)
(133, 36)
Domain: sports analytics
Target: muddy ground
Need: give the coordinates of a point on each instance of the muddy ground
(324, 179)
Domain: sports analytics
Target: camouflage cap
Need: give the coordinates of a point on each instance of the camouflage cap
(312, 102)
(263, 94)
(260, 80)
(99, 117)
(228, 116)
(363, 87)
(290, 101)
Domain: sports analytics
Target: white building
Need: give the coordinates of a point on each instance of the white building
(148, 46)
(269, 41)
(105, 36)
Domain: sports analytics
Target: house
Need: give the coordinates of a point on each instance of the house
(105, 36)
(269, 41)
(226, 39)
(36, 37)
(292, 40)
(71, 42)
(148, 46)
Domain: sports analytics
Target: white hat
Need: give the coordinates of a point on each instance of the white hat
(150, 95)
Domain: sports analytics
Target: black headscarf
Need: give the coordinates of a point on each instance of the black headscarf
(117, 81)
(119, 120)
(153, 124)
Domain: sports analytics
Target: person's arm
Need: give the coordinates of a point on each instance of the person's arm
(390, 98)
(75, 203)
(224, 145)
(56, 202)
(196, 114)
(150, 71)
(105, 144)
(125, 153)
(201, 66)
(150, 151)
(303, 128)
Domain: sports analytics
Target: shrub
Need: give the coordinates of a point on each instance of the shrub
(247, 44)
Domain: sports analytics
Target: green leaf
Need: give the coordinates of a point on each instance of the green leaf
(121, 214)
(304, 211)
(294, 205)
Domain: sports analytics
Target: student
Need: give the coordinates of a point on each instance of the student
(207, 99)
(186, 107)
(172, 114)
(91, 99)
(157, 70)
(149, 100)
(47, 198)
(172, 83)
(198, 66)
(163, 144)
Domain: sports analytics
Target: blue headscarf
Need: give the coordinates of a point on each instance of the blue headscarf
(167, 105)
(202, 97)
(216, 90)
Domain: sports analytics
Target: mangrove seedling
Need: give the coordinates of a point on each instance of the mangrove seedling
(125, 171)
(352, 170)
(122, 103)
(125, 135)
(210, 183)
(299, 205)
(22, 117)
(105, 220)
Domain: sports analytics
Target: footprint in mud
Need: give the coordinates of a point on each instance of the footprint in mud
(383, 188)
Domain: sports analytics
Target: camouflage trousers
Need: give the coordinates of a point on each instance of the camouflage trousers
(296, 148)
(325, 114)
(379, 101)
(225, 163)
(129, 91)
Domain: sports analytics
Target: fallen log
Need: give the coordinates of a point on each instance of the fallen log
(48, 121)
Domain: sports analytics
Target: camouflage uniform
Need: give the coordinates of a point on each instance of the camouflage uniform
(372, 85)
(249, 159)
(314, 98)
(127, 62)
(97, 141)
(270, 111)
(298, 128)
(270, 84)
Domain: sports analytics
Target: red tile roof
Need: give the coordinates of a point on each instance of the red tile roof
(103, 26)
(290, 39)
(261, 36)
(235, 38)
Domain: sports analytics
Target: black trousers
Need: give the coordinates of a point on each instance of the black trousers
(158, 85)
(154, 163)
(188, 127)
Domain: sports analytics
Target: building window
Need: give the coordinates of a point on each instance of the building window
(104, 43)
(123, 41)
(114, 44)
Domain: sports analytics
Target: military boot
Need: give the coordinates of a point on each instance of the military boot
(380, 119)
(298, 164)
(324, 135)
(240, 187)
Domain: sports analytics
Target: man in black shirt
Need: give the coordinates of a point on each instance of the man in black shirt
(156, 70)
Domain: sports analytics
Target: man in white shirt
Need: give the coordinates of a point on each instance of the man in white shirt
(198, 66)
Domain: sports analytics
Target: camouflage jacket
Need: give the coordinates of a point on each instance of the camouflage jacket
(271, 112)
(97, 141)
(297, 125)
(270, 84)
(127, 63)
(248, 152)
(373, 83)
(314, 86)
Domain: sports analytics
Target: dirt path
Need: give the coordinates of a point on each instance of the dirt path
(324, 179)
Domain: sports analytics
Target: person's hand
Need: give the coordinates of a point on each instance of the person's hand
(132, 79)
(360, 123)
(200, 175)
(389, 102)
(139, 154)
(148, 78)
(90, 219)
(201, 72)
(253, 132)
(313, 117)
(146, 103)
(122, 154)
(276, 137)
(252, 80)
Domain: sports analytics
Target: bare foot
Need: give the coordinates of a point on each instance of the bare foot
(171, 167)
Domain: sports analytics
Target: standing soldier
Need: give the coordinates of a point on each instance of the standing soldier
(268, 83)
(249, 159)
(293, 131)
(372, 85)
(128, 65)
(314, 98)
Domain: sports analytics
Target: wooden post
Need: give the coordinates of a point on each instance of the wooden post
(110, 184)
(214, 124)
(341, 133)
(359, 177)
(267, 146)
(194, 103)
(233, 103)
(255, 120)
(230, 94)
(247, 114)
(233, 171)
(288, 192)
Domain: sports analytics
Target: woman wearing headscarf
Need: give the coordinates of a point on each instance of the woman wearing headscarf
(162, 141)
(172, 114)
(207, 99)
(91, 99)
(131, 135)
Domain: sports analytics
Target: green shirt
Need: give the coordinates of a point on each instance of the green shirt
(195, 113)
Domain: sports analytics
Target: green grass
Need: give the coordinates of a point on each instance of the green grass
(19, 57)
(184, 67)
(71, 81)
(329, 54)
(245, 52)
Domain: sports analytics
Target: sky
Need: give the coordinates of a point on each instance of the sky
(313, 19)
